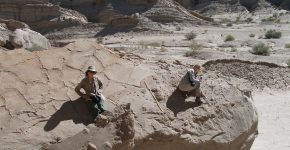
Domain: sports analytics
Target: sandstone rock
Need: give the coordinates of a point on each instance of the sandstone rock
(28, 39)
(44, 81)
(92, 146)
(101, 120)
(13, 24)
(39, 14)
(3, 34)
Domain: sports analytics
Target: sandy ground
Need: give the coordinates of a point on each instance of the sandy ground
(274, 120)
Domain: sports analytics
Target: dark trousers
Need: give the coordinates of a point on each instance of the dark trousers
(96, 105)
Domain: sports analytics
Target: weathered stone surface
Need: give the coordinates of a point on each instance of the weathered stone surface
(40, 15)
(41, 102)
(28, 39)
(13, 24)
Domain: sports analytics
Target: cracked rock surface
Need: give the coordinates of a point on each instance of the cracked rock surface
(39, 107)
(40, 110)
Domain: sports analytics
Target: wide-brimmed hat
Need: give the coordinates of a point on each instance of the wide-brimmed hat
(91, 69)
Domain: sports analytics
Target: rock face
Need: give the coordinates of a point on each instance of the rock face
(39, 105)
(108, 10)
(281, 3)
(208, 4)
(39, 14)
(28, 39)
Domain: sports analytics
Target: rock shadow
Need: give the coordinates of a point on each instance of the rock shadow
(76, 111)
(176, 102)
(108, 30)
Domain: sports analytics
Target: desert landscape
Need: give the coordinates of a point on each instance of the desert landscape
(141, 50)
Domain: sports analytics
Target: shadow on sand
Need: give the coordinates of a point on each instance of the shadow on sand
(76, 111)
(176, 102)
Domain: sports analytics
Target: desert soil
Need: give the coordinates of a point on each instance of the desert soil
(274, 119)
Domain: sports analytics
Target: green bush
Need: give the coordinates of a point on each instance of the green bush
(229, 38)
(261, 49)
(229, 24)
(252, 35)
(190, 36)
(249, 20)
(99, 39)
(178, 28)
(273, 34)
(233, 49)
(154, 44)
(287, 45)
(195, 46)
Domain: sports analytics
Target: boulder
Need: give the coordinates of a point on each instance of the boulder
(42, 95)
(14, 24)
(28, 39)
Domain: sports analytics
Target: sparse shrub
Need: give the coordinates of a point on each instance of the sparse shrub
(143, 45)
(261, 49)
(273, 34)
(163, 49)
(229, 24)
(154, 44)
(178, 28)
(195, 46)
(238, 19)
(190, 36)
(249, 20)
(225, 20)
(274, 18)
(287, 45)
(233, 49)
(34, 47)
(99, 39)
(252, 35)
(229, 38)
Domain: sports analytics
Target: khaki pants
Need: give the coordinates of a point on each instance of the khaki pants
(191, 90)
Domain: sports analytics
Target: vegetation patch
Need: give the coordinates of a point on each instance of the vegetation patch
(273, 34)
(99, 39)
(252, 35)
(229, 38)
(261, 49)
(287, 45)
(190, 36)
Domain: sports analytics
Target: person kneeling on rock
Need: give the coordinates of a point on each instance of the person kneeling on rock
(190, 83)
(92, 85)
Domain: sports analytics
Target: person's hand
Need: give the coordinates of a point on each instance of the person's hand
(200, 78)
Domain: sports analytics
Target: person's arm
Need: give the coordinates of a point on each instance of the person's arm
(78, 89)
(100, 83)
(191, 75)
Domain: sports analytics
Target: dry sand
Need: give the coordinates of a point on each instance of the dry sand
(274, 120)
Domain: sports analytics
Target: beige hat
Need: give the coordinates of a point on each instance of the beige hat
(91, 69)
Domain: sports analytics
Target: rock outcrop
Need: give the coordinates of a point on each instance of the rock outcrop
(107, 10)
(39, 106)
(220, 6)
(285, 4)
(28, 39)
(40, 14)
